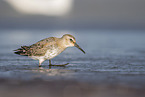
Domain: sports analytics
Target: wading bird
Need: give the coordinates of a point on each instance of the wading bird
(48, 48)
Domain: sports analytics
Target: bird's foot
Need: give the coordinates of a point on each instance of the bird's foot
(62, 65)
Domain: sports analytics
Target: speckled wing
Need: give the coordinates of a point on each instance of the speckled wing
(41, 47)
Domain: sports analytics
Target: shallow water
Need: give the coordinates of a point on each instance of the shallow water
(116, 56)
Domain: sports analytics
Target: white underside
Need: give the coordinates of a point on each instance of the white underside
(49, 55)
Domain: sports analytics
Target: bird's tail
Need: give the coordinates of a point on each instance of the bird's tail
(22, 51)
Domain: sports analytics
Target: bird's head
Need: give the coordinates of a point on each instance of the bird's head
(69, 41)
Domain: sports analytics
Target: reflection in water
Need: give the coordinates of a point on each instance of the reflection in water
(53, 72)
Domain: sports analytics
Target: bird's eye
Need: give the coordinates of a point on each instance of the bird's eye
(71, 40)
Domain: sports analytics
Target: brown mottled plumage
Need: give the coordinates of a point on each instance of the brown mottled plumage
(48, 48)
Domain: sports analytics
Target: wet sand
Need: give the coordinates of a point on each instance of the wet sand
(68, 83)
(65, 88)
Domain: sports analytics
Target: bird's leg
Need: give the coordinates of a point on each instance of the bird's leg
(57, 65)
(50, 63)
(39, 64)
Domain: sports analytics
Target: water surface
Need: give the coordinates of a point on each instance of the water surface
(116, 56)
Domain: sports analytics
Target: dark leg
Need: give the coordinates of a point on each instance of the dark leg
(50, 63)
(57, 65)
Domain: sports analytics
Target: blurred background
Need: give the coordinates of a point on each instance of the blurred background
(112, 32)
(72, 14)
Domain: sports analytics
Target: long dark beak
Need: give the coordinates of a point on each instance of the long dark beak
(76, 45)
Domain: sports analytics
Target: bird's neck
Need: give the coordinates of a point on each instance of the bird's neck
(62, 43)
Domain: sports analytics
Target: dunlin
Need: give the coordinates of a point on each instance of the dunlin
(48, 48)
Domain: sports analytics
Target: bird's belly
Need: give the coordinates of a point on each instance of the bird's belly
(51, 54)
